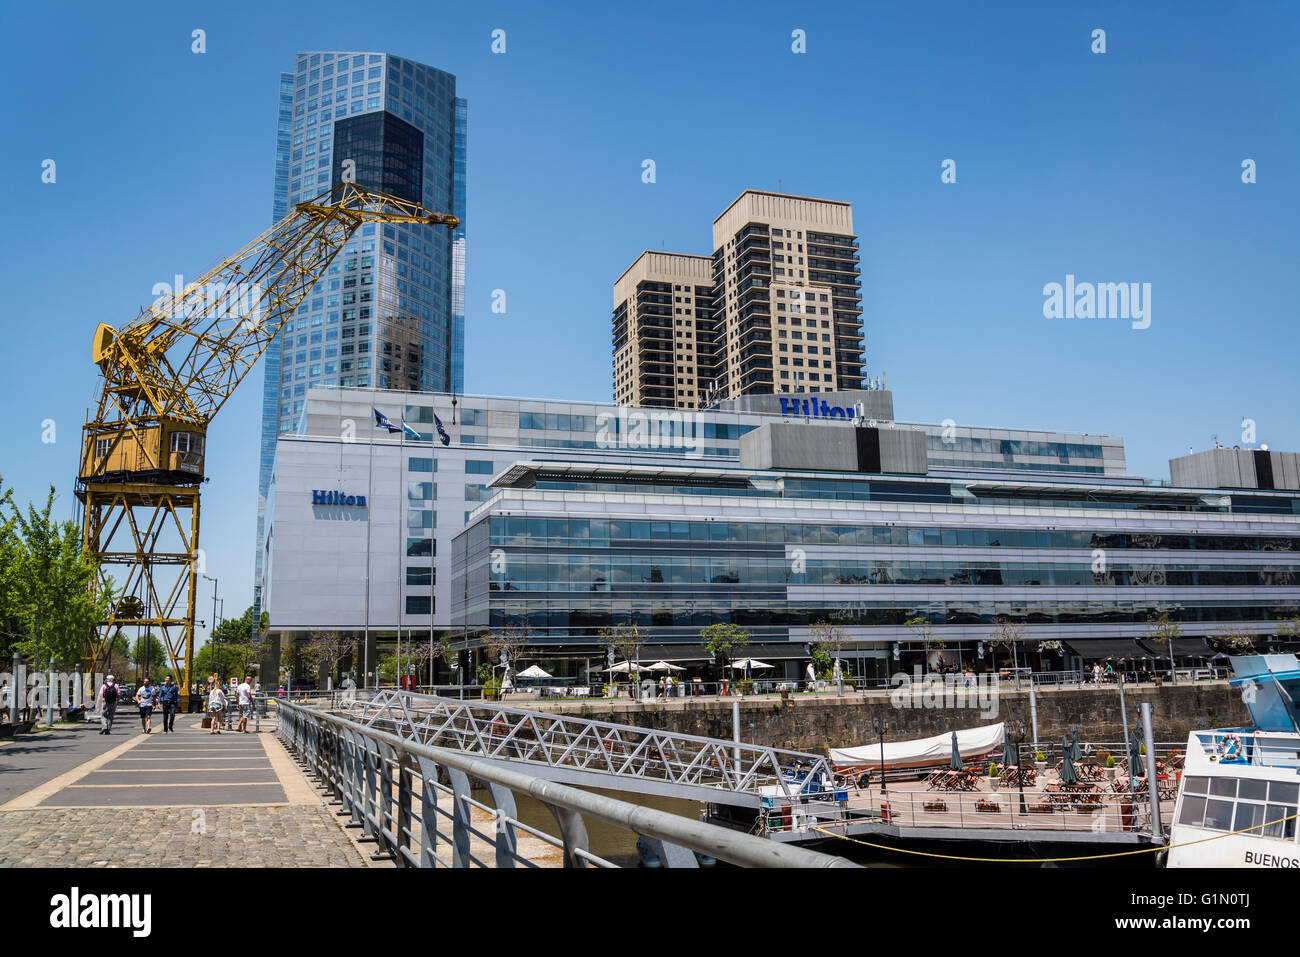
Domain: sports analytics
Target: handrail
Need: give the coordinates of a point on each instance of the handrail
(357, 763)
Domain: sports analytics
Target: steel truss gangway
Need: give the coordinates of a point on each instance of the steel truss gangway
(579, 751)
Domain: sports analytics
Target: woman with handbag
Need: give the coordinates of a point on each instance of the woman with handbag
(216, 707)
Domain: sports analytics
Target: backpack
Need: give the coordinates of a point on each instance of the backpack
(110, 695)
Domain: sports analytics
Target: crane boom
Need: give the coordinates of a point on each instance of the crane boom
(165, 375)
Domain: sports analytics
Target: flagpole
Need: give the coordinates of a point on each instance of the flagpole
(401, 468)
(370, 494)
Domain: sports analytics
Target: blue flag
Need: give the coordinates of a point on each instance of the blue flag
(442, 433)
(382, 421)
(409, 431)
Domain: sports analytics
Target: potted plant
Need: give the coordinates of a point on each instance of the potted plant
(1110, 767)
(1040, 761)
(995, 778)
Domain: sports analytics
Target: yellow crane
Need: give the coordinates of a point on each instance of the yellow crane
(164, 376)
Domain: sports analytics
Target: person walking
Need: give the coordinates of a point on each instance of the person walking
(146, 696)
(244, 698)
(106, 700)
(169, 696)
(216, 707)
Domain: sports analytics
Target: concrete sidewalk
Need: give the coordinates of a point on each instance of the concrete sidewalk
(174, 800)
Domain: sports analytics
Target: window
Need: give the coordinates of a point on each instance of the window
(419, 576)
(419, 547)
(187, 442)
(419, 605)
(101, 447)
(478, 467)
(420, 491)
(420, 465)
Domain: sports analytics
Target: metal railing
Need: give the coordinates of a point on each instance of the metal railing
(1096, 812)
(596, 753)
(392, 789)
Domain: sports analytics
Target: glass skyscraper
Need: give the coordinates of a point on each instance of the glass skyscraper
(390, 312)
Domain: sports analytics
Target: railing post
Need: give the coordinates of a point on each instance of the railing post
(403, 831)
(428, 812)
(460, 822)
(506, 840)
(574, 833)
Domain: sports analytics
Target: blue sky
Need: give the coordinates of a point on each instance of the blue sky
(1118, 167)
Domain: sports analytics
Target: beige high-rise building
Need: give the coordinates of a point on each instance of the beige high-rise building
(777, 308)
(663, 326)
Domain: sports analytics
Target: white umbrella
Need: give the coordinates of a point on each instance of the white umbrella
(663, 666)
(751, 663)
(625, 666)
(532, 671)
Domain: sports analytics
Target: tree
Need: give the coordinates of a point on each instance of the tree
(1288, 629)
(1238, 640)
(50, 601)
(920, 627)
(423, 656)
(625, 642)
(504, 647)
(386, 669)
(722, 638)
(149, 657)
(831, 639)
(1008, 634)
(1165, 629)
(325, 649)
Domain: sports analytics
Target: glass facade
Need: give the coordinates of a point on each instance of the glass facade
(565, 577)
(389, 312)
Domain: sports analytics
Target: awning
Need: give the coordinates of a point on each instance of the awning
(1183, 647)
(679, 653)
(1099, 649)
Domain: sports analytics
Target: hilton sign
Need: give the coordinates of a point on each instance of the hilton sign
(811, 409)
(319, 497)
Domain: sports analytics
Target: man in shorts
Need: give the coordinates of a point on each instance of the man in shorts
(108, 694)
(244, 696)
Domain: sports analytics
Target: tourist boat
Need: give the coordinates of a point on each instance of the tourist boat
(1238, 798)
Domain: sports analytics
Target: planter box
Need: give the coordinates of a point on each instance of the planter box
(935, 806)
(988, 807)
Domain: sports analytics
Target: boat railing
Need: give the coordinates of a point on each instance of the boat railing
(1262, 751)
(1006, 809)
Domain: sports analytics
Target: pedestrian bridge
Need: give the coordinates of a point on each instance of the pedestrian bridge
(596, 754)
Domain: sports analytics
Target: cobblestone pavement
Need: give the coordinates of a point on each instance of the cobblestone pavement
(274, 836)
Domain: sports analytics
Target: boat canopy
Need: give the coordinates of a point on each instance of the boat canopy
(1271, 690)
(922, 752)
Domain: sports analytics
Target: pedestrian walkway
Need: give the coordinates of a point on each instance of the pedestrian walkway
(187, 798)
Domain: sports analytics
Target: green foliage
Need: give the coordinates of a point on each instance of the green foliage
(993, 770)
(723, 638)
(1040, 756)
(746, 685)
(821, 659)
(47, 602)
(1142, 748)
(149, 648)
(1110, 760)
(484, 672)
(386, 669)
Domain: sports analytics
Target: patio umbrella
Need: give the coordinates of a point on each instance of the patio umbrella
(662, 666)
(955, 761)
(750, 663)
(532, 671)
(1135, 768)
(1068, 775)
(1009, 756)
(1074, 743)
(625, 666)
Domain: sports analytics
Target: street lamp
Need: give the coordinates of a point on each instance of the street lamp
(881, 725)
(212, 635)
(1018, 738)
